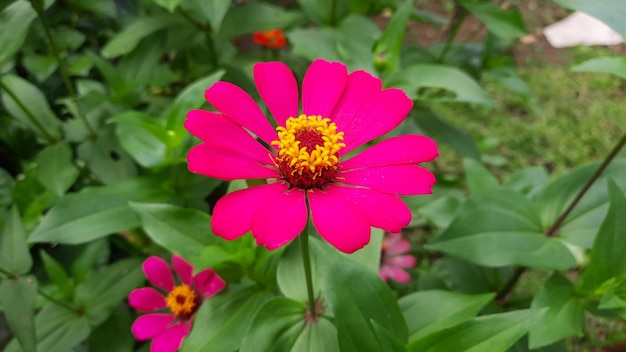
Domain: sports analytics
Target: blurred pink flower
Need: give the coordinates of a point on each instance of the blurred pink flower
(394, 258)
(305, 156)
(168, 329)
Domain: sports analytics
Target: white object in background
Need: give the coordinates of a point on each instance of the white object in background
(580, 29)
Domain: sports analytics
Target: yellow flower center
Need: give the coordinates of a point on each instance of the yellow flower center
(308, 149)
(182, 301)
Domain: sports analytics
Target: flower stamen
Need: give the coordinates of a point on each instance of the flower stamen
(182, 301)
(308, 149)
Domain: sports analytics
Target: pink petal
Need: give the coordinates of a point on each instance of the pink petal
(407, 149)
(208, 283)
(240, 108)
(146, 299)
(217, 130)
(183, 269)
(378, 115)
(395, 179)
(402, 261)
(323, 85)
(383, 210)
(360, 87)
(278, 88)
(224, 163)
(280, 219)
(232, 215)
(382, 273)
(158, 273)
(396, 274)
(396, 244)
(150, 325)
(339, 221)
(171, 339)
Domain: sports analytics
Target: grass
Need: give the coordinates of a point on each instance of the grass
(581, 117)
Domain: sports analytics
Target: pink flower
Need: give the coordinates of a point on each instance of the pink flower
(168, 329)
(306, 156)
(394, 258)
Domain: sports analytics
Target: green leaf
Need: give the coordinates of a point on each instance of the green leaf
(493, 333)
(504, 23)
(607, 254)
(501, 228)
(581, 225)
(212, 11)
(14, 253)
(325, 12)
(611, 12)
(113, 76)
(128, 39)
(223, 320)
(613, 65)
(428, 311)
(528, 181)
(356, 296)
(169, 5)
(479, 179)
(290, 275)
(564, 316)
(57, 275)
(389, 47)
(114, 334)
(257, 17)
(142, 137)
(55, 169)
(15, 21)
(57, 329)
(94, 212)
(350, 43)
(7, 184)
(192, 97)
(183, 231)
(466, 277)
(96, 252)
(104, 290)
(106, 159)
(412, 78)
(387, 341)
(442, 131)
(41, 66)
(35, 103)
(17, 297)
(369, 256)
(280, 326)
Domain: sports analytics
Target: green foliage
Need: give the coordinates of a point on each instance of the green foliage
(93, 178)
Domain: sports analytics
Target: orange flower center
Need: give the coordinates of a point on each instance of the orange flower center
(182, 301)
(273, 38)
(308, 149)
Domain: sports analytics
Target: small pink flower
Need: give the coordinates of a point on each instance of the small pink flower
(306, 157)
(395, 258)
(169, 328)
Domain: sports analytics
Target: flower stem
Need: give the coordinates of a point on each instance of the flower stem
(333, 13)
(517, 274)
(13, 276)
(306, 262)
(51, 139)
(62, 67)
(459, 17)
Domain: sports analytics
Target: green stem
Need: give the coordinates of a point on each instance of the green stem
(306, 262)
(333, 13)
(28, 113)
(517, 274)
(459, 17)
(208, 33)
(62, 66)
(13, 276)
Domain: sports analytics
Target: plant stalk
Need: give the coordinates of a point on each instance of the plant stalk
(333, 13)
(517, 274)
(13, 276)
(459, 17)
(62, 67)
(51, 139)
(306, 262)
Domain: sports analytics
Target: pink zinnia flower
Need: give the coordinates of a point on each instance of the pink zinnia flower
(168, 329)
(305, 157)
(394, 258)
